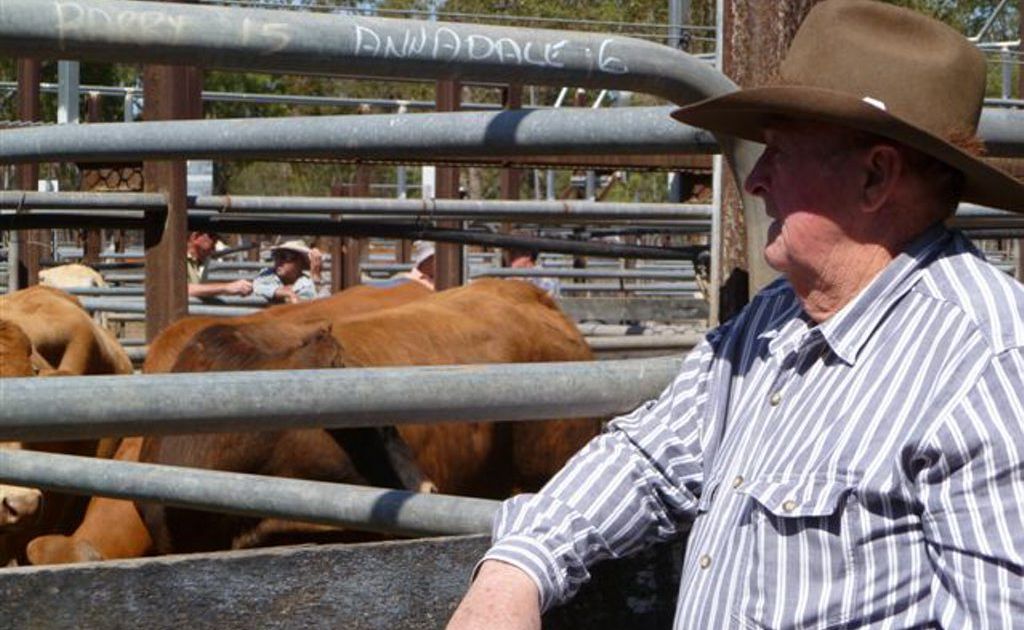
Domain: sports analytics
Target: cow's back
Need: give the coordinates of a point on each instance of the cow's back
(488, 321)
(63, 333)
(70, 276)
(352, 302)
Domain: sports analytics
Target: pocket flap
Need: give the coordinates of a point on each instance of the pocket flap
(708, 495)
(793, 498)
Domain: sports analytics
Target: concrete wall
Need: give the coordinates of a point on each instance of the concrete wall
(402, 584)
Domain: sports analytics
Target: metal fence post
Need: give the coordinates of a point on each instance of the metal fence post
(92, 239)
(30, 242)
(448, 260)
(170, 93)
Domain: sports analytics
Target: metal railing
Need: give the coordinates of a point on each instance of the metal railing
(96, 406)
(342, 505)
(149, 405)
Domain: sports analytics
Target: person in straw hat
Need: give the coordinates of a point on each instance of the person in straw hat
(294, 276)
(848, 451)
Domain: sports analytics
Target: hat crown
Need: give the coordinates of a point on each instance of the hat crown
(421, 250)
(297, 246)
(916, 68)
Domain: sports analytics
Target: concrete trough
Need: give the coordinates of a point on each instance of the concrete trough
(399, 584)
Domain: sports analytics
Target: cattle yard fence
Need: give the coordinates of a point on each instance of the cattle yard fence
(97, 406)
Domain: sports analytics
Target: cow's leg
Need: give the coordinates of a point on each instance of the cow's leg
(112, 528)
(81, 348)
(383, 458)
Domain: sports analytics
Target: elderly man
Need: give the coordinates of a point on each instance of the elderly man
(849, 448)
(294, 276)
(198, 249)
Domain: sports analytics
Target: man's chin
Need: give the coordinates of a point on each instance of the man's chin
(775, 257)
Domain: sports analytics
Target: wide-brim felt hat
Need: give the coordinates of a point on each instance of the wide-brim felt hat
(881, 69)
(298, 247)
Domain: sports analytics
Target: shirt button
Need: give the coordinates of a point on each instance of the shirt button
(789, 506)
(738, 481)
(775, 399)
(705, 561)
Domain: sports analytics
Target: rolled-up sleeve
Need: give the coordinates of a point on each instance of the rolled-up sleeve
(632, 486)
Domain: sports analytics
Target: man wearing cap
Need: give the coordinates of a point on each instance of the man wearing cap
(198, 249)
(295, 275)
(849, 449)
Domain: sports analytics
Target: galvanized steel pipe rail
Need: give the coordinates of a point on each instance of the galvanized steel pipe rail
(506, 138)
(565, 211)
(116, 305)
(517, 138)
(97, 406)
(307, 43)
(345, 505)
(630, 274)
(324, 226)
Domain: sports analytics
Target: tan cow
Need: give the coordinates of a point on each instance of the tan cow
(16, 503)
(46, 332)
(63, 333)
(71, 276)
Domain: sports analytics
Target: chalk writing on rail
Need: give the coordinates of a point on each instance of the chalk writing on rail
(445, 44)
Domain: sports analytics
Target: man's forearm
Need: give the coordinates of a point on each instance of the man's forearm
(502, 597)
(207, 289)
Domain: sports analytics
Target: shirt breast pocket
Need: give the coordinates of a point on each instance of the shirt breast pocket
(798, 546)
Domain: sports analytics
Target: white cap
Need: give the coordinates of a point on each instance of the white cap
(421, 250)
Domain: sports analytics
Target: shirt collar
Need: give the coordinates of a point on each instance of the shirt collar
(847, 331)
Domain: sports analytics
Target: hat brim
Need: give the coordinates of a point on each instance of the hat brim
(305, 253)
(746, 113)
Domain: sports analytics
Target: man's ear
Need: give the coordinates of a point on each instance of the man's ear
(883, 167)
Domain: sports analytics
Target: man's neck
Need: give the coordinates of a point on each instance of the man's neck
(825, 293)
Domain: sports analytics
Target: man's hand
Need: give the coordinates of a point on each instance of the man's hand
(239, 287)
(501, 597)
(286, 295)
(316, 264)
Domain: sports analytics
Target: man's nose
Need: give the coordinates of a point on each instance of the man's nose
(757, 182)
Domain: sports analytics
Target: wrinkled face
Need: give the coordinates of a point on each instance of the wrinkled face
(808, 181)
(288, 265)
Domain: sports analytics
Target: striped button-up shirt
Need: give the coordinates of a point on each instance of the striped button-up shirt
(867, 470)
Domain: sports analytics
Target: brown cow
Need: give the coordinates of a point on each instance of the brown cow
(486, 322)
(112, 528)
(309, 453)
(164, 350)
(58, 332)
